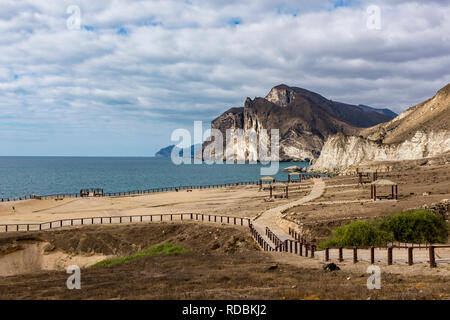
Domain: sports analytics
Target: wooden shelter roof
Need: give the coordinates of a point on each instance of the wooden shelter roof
(267, 178)
(384, 182)
(279, 184)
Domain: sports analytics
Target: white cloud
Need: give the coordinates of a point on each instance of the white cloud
(176, 61)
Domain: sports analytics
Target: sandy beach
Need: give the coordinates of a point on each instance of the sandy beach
(242, 201)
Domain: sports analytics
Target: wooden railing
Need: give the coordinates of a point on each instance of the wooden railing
(266, 246)
(23, 227)
(147, 191)
(389, 251)
(292, 246)
(134, 192)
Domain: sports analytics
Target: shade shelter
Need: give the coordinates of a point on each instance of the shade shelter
(280, 186)
(265, 179)
(293, 170)
(374, 186)
(96, 192)
(366, 175)
(299, 174)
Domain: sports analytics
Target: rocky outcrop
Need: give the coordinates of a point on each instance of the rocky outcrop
(167, 151)
(420, 132)
(304, 120)
(441, 209)
(341, 152)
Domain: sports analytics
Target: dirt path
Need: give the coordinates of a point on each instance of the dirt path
(272, 217)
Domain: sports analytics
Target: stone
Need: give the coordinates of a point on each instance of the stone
(48, 247)
(331, 267)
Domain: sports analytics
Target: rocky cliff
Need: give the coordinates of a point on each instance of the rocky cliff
(421, 131)
(304, 119)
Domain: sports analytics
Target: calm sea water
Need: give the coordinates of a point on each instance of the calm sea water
(21, 176)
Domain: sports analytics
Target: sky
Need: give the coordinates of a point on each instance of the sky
(115, 78)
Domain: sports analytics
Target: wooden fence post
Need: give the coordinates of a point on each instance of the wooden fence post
(327, 254)
(432, 257)
(355, 255)
(410, 256)
(341, 255)
(389, 256)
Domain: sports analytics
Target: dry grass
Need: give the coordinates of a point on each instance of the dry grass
(234, 270)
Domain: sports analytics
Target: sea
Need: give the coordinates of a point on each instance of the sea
(20, 176)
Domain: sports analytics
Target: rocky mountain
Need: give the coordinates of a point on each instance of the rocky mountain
(385, 111)
(421, 131)
(305, 119)
(167, 151)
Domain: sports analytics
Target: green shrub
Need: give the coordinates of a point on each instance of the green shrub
(165, 249)
(417, 226)
(358, 233)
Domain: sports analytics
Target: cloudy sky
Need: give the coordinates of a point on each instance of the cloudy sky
(119, 79)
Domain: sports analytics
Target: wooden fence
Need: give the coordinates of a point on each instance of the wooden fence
(22, 227)
(134, 192)
(389, 251)
(266, 246)
(292, 246)
(148, 191)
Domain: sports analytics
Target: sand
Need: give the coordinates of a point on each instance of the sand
(242, 201)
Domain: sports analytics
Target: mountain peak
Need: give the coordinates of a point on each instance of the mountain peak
(280, 95)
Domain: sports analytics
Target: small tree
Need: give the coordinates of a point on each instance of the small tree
(417, 226)
(358, 233)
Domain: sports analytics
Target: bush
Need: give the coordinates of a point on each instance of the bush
(416, 226)
(358, 233)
